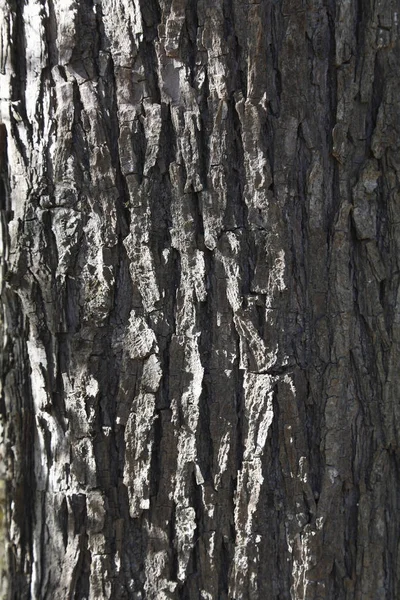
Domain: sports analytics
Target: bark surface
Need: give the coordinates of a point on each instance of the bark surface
(200, 221)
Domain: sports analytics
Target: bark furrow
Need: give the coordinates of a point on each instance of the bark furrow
(200, 298)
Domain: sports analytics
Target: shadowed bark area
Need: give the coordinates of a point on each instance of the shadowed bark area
(200, 213)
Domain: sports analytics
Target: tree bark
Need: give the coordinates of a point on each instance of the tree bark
(200, 210)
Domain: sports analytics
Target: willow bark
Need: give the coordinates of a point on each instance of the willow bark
(200, 208)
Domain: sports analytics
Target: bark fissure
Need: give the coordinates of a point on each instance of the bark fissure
(199, 226)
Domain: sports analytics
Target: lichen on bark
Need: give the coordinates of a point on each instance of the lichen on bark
(199, 310)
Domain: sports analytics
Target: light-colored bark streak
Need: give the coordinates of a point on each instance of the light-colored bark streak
(199, 207)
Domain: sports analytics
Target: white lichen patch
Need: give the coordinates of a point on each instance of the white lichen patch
(38, 362)
(152, 124)
(139, 441)
(223, 456)
(258, 414)
(139, 338)
(184, 536)
(232, 271)
(186, 414)
(157, 585)
(152, 374)
(276, 280)
(139, 433)
(143, 274)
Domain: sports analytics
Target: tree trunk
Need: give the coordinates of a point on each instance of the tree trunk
(200, 210)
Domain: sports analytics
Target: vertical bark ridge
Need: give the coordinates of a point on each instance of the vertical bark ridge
(199, 298)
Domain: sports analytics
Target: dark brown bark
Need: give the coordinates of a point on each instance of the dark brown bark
(200, 212)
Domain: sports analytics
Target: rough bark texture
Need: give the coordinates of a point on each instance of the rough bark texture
(200, 211)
